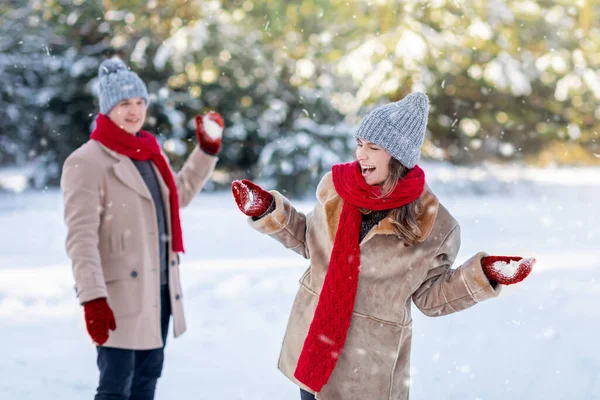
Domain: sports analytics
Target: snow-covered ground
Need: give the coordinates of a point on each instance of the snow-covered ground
(539, 340)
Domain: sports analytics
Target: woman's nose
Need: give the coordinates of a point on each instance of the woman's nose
(360, 154)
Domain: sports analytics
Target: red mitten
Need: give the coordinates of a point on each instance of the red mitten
(209, 132)
(99, 318)
(507, 270)
(251, 199)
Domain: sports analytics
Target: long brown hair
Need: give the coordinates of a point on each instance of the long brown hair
(404, 219)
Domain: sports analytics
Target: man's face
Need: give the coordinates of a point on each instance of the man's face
(129, 114)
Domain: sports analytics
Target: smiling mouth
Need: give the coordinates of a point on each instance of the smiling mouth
(366, 170)
(131, 121)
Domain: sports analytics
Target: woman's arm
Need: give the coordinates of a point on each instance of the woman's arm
(271, 213)
(285, 224)
(445, 290)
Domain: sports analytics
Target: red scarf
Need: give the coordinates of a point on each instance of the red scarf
(145, 147)
(327, 333)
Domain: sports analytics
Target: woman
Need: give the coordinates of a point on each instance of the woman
(377, 239)
(121, 208)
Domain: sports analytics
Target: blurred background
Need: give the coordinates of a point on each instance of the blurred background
(512, 150)
(510, 81)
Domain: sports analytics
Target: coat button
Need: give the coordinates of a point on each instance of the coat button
(177, 297)
(134, 274)
(173, 263)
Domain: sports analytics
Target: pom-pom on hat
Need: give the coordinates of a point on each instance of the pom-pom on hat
(118, 83)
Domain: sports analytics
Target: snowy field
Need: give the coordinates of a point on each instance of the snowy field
(538, 340)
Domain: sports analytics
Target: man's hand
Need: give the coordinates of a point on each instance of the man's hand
(99, 319)
(209, 132)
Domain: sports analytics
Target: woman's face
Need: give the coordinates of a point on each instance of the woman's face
(129, 114)
(374, 162)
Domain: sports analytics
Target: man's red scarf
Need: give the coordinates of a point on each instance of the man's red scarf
(143, 147)
(327, 332)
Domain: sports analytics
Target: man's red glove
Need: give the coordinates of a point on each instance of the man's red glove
(507, 270)
(209, 132)
(99, 318)
(251, 199)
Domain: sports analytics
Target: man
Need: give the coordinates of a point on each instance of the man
(121, 208)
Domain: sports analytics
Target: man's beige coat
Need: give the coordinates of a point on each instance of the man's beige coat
(112, 238)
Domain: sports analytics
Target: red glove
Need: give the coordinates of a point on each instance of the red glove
(251, 199)
(209, 132)
(99, 318)
(507, 270)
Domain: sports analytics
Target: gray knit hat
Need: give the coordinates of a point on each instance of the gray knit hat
(117, 83)
(398, 128)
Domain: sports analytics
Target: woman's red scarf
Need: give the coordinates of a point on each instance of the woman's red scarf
(327, 333)
(143, 147)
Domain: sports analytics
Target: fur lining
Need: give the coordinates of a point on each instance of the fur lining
(326, 189)
(332, 204)
(278, 219)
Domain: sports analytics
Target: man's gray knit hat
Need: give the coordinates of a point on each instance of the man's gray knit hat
(117, 83)
(398, 128)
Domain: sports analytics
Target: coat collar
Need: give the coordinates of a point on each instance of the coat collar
(127, 172)
(112, 153)
(332, 204)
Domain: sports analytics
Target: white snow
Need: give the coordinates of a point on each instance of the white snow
(250, 200)
(16, 178)
(175, 146)
(505, 73)
(536, 341)
(411, 46)
(305, 68)
(213, 129)
(592, 80)
(508, 269)
(187, 40)
(564, 86)
(480, 29)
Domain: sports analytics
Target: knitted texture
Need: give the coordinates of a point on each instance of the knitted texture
(329, 327)
(251, 199)
(117, 83)
(99, 319)
(369, 221)
(210, 145)
(144, 147)
(398, 128)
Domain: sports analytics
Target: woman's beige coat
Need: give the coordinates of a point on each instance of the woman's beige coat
(374, 363)
(112, 238)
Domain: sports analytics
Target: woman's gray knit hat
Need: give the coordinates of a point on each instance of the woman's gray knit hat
(118, 83)
(398, 128)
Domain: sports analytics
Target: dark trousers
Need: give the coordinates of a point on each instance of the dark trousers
(304, 395)
(132, 374)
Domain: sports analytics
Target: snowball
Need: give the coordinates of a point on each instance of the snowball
(212, 129)
(508, 269)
